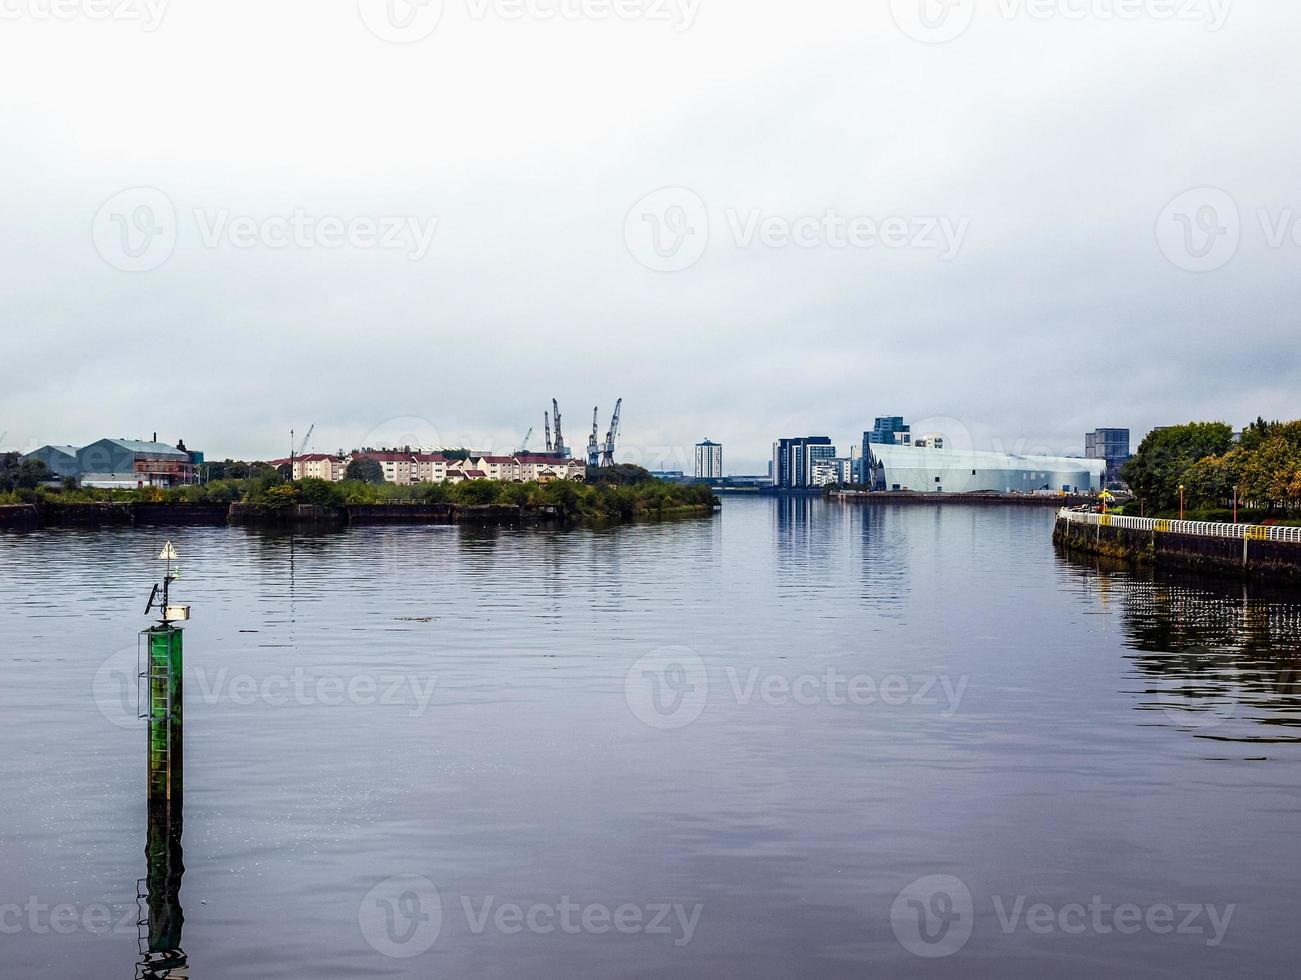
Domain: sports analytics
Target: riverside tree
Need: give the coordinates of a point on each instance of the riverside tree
(364, 470)
(1263, 470)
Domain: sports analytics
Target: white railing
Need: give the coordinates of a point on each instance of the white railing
(1240, 532)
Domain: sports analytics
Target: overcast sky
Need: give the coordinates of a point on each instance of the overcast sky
(748, 218)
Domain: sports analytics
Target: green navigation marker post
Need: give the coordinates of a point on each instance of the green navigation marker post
(166, 714)
(161, 955)
(162, 674)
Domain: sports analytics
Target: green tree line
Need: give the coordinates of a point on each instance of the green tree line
(1262, 470)
(621, 494)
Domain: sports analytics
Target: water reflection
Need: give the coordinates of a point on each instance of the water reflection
(1221, 660)
(158, 894)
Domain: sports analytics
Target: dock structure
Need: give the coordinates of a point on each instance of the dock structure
(1240, 550)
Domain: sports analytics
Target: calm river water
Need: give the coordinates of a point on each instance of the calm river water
(800, 739)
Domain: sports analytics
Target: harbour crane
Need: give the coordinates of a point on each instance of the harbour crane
(561, 449)
(525, 446)
(607, 457)
(546, 416)
(593, 446)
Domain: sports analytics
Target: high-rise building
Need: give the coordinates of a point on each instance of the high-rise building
(709, 460)
(1111, 445)
(887, 431)
(827, 472)
(793, 459)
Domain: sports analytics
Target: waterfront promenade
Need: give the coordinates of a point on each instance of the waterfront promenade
(1239, 550)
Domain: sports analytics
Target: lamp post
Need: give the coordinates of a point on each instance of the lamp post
(1181, 501)
(1235, 505)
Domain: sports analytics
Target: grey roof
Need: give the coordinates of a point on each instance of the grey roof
(152, 448)
(66, 450)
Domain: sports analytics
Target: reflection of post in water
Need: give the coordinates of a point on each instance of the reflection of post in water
(160, 890)
(163, 918)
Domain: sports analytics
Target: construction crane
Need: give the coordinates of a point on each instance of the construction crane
(593, 446)
(546, 416)
(302, 446)
(607, 457)
(561, 449)
(524, 447)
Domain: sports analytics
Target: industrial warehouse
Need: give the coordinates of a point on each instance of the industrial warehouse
(122, 464)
